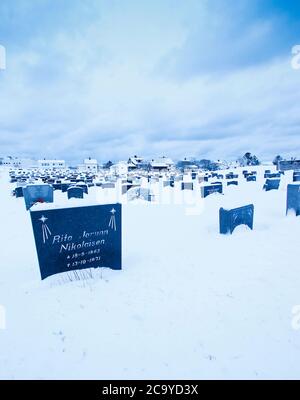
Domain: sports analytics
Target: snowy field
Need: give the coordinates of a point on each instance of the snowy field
(188, 304)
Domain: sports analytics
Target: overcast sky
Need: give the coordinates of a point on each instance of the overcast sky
(114, 78)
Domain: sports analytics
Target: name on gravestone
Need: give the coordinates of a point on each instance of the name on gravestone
(78, 238)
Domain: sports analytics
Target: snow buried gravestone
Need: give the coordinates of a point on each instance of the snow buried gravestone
(293, 199)
(230, 219)
(75, 192)
(71, 239)
(37, 194)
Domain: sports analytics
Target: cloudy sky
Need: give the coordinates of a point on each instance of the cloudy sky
(113, 78)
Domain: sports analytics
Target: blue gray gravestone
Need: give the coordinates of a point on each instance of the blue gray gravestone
(168, 184)
(75, 192)
(187, 186)
(37, 194)
(208, 190)
(56, 186)
(65, 187)
(125, 188)
(19, 191)
(78, 238)
(293, 199)
(84, 187)
(271, 176)
(272, 184)
(230, 219)
(108, 185)
(296, 177)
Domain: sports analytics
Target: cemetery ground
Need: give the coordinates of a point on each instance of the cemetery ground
(189, 303)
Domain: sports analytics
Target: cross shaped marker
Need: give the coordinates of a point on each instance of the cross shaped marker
(113, 211)
(43, 219)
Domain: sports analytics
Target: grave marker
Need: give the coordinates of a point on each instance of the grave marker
(75, 192)
(187, 186)
(271, 184)
(230, 219)
(37, 194)
(293, 199)
(78, 238)
(208, 190)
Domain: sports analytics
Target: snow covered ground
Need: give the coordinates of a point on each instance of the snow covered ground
(188, 304)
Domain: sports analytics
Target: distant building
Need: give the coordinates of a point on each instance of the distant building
(162, 164)
(135, 163)
(187, 165)
(121, 168)
(51, 164)
(291, 165)
(17, 163)
(89, 165)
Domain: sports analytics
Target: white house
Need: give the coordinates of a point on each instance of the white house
(121, 168)
(51, 164)
(89, 165)
(134, 163)
(162, 164)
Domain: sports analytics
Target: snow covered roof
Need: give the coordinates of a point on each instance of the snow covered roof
(159, 165)
(164, 160)
(90, 161)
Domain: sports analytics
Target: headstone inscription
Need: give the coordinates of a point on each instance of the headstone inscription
(230, 219)
(78, 238)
